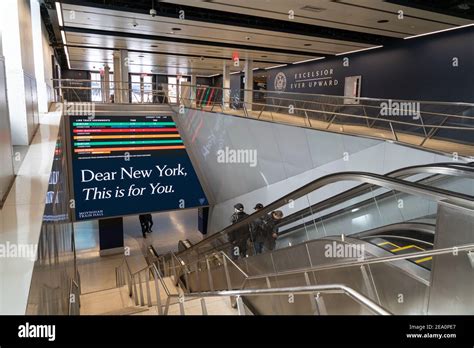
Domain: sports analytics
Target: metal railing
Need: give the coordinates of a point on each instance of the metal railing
(238, 289)
(75, 296)
(415, 123)
(412, 188)
(437, 171)
(139, 290)
(468, 248)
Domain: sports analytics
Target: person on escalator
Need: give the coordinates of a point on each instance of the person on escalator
(270, 229)
(257, 233)
(238, 238)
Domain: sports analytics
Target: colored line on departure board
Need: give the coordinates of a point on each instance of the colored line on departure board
(139, 142)
(137, 148)
(134, 136)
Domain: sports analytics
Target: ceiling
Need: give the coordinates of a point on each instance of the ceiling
(199, 36)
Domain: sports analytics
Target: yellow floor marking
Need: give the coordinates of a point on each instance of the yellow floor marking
(406, 247)
(423, 260)
(384, 243)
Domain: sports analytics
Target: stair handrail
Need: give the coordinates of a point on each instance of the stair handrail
(313, 290)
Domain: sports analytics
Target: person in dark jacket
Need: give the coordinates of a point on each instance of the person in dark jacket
(271, 230)
(238, 238)
(257, 232)
(149, 222)
(143, 224)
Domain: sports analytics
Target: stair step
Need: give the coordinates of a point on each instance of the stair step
(126, 311)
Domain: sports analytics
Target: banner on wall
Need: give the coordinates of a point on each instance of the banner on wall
(124, 165)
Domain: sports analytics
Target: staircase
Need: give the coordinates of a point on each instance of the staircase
(143, 300)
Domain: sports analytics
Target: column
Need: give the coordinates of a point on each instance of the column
(106, 89)
(102, 88)
(248, 93)
(193, 90)
(117, 75)
(124, 76)
(226, 86)
(111, 236)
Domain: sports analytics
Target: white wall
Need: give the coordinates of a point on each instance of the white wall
(26, 35)
(42, 59)
(6, 160)
(48, 52)
(288, 158)
(15, 19)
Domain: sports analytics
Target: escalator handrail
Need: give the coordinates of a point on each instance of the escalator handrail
(383, 259)
(451, 169)
(412, 226)
(379, 231)
(416, 189)
(397, 237)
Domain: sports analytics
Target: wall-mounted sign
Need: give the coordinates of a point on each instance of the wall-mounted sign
(125, 165)
(307, 78)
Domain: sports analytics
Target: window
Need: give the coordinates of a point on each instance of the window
(96, 90)
(136, 91)
(172, 84)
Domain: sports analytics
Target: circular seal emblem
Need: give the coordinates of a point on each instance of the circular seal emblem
(280, 81)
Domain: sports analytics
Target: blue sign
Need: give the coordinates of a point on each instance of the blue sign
(125, 165)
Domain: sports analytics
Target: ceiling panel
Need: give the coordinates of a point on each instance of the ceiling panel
(91, 40)
(355, 15)
(150, 62)
(165, 44)
(124, 22)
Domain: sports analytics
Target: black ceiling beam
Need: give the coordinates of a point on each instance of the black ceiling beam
(191, 41)
(456, 8)
(170, 10)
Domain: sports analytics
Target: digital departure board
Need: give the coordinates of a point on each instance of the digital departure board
(124, 165)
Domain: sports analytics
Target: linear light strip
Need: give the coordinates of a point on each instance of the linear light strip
(276, 66)
(361, 50)
(438, 31)
(63, 36)
(60, 14)
(67, 57)
(309, 60)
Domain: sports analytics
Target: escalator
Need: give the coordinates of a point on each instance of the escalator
(401, 239)
(359, 238)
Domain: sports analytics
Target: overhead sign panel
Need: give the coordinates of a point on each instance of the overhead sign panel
(124, 165)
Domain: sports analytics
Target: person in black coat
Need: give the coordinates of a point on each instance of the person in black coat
(238, 238)
(271, 230)
(143, 224)
(257, 232)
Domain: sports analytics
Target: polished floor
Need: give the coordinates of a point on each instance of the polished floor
(116, 301)
(98, 272)
(22, 214)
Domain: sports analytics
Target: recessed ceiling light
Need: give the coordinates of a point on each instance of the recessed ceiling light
(383, 21)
